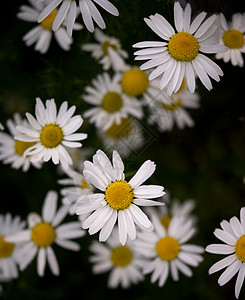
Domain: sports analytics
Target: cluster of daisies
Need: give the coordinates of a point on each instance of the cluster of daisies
(135, 239)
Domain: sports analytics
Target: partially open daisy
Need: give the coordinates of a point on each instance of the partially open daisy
(123, 262)
(43, 232)
(111, 104)
(125, 137)
(9, 251)
(41, 35)
(167, 251)
(11, 150)
(68, 9)
(232, 35)
(166, 110)
(75, 186)
(232, 235)
(180, 54)
(108, 51)
(51, 132)
(118, 199)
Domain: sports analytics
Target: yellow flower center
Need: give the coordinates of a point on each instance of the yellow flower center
(233, 39)
(165, 221)
(84, 184)
(134, 82)
(119, 195)
(6, 248)
(112, 102)
(168, 248)
(121, 256)
(240, 248)
(121, 130)
(173, 106)
(106, 45)
(183, 46)
(43, 234)
(49, 20)
(51, 135)
(20, 146)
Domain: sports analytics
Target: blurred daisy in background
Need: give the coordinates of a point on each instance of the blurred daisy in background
(232, 234)
(43, 232)
(68, 9)
(180, 54)
(117, 199)
(123, 262)
(1, 126)
(9, 251)
(75, 186)
(108, 51)
(41, 35)
(111, 104)
(166, 110)
(167, 251)
(173, 207)
(232, 36)
(11, 150)
(51, 132)
(126, 137)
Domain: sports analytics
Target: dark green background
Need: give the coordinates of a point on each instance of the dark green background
(205, 163)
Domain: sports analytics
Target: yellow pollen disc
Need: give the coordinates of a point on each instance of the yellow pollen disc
(121, 256)
(168, 248)
(183, 46)
(233, 39)
(134, 82)
(119, 195)
(240, 248)
(112, 102)
(51, 135)
(106, 45)
(175, 105)
(165, 221)
(20, 146)
(84, 184)
(120, 131)
(6, 248)
(49, 20)
(43, 234)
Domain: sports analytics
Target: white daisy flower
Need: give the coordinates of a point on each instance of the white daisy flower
(108, 51)
(181, 53)
(67, 9)
(111, 104)
(166, 110)
(123, 262)
(11, 150)
(125, 137)
(232, 235)
(51, 132)
(75, 186)
(118, 199)
(232, 36)
(135, 83)
(167, 251)
(41, 35)
(45, 230)
(9, 252)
